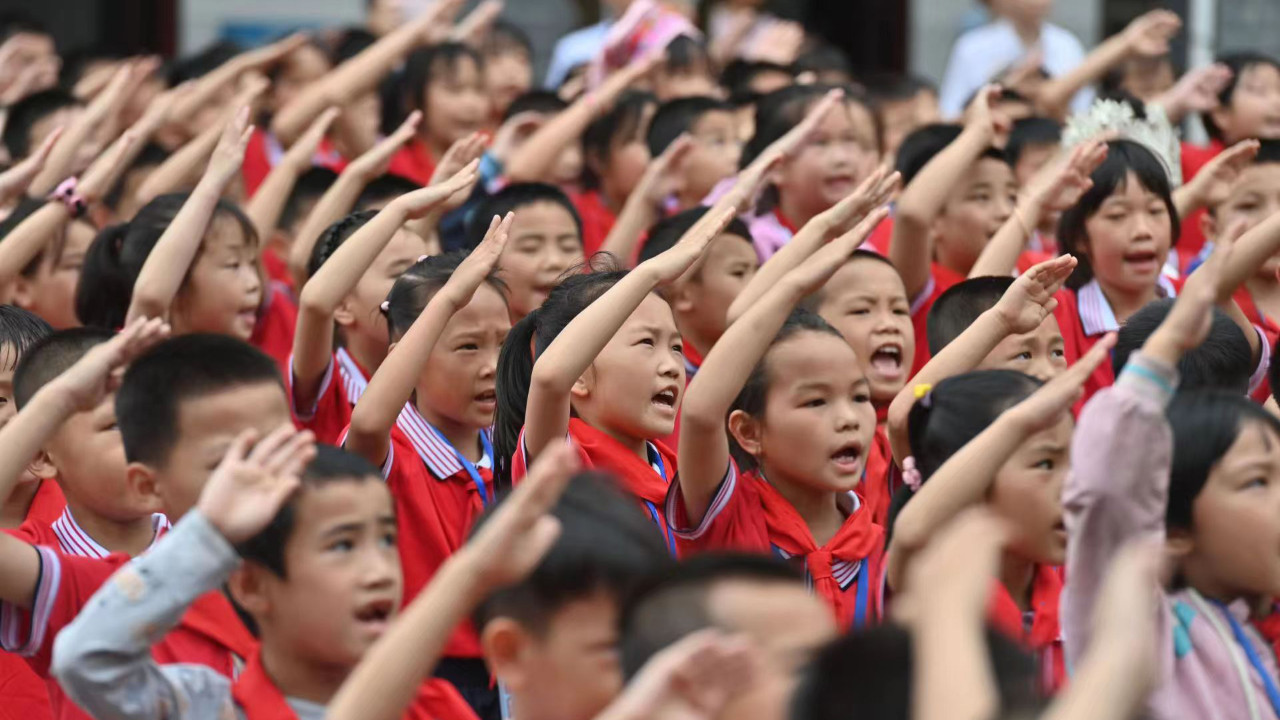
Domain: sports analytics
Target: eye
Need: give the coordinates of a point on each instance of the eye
(388, 539)
(860, 311)
(1058, 354)
(814, 403)
(678, 348)
(1258, 482)
(648, 342)
(468, 347)
(342, 546)
(1045, 464)
(861, 397)
(1024, 356)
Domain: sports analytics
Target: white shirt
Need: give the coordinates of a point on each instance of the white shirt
(576, 48)
(979, 55)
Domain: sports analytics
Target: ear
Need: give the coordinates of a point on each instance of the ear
(505, 645)
(682, 299)
(42, 467)
(344, 315)
(22, 292)
(746, 432)
(141, 481)
(583, 386)
(1178, 543)
(248, 585)
(1209, 226)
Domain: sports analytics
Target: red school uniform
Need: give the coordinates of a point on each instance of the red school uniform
(273, 332)
(1271, 334)
(343, 383)
(748, 514)
(597, 220)
(879, 478)
(1191, 239)
(438, 495)
(941, 279)
(264, 151)
(1038, 630)
(413, 161)
(647, 482)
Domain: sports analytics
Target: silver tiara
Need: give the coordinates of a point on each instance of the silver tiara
(1115, 120)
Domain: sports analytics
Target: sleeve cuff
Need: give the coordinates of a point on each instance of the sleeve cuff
(919, 300)
(718, 503)
(308, 414)
(1264, 361)
(1149, 378)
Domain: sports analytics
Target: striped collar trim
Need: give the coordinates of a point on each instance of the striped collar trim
(75, 541)
(440, 456)
(1096, 315)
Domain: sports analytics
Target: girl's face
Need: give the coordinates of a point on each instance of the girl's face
(223, 290)
(456, 391)
(544, 244)
(818, 419)
(628, 158)
(1234, 541)
(1254, 197)
(1128, 238)
(361, 312)
(866, 301)
(633, 389)
(457, 104)
(1254, 110)
(51, 292)
(1027, 493)
(832, 163)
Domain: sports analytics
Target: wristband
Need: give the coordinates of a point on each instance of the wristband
(66, 194)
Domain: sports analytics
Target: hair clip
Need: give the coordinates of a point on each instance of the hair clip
(423, 257)
(921, 390)
(66, 194)
(385, 307)
(911, 475)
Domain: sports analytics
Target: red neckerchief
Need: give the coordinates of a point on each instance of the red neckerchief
(257, 696)
(637, 475)
(877, 488)
(856, 541)
(785, 222)
(692, 355)
(1269, 628)
(1046, 633)
(212, 616)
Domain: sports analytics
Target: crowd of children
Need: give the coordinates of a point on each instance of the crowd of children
(354, 377)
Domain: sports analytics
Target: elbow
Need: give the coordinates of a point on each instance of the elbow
(545, 381)
(699, 417)
(72, 656)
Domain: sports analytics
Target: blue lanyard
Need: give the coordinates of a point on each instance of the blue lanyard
(470, 467)
(668, 537)
(1269, 682)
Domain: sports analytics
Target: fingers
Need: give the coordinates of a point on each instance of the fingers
(1240, 154)
(239, 448)
(543, 486)
(407, 128)
(320, 126)
(1098, 354)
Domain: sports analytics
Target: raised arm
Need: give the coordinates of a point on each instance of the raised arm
(68, 152)
(266, 205)
(393, 383)
(162, 273)
(1213, 183)
(547, 411)
(911, 249)
(704, 440)
(321, 296)
(1248, 254)
(15, 182)
(644, 205)
(205, 89)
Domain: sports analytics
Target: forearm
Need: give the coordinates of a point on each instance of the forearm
(805, 243)
(953, 674)
(1000, 257)
(267, 204)
(1055, 94)
(183, 168)
(637, 216)
(533, 160)
(336, 202)
(30, 237)
(1101, 688)
(162, 273)
(25, 433)
(62, 159)
(1248, 254)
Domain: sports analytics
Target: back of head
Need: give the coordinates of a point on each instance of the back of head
(677, 603)
(333, 237)
(870, 674)
(537, 101)
(826, 61)
(1029, 132)
(202, 62)
(23, 115)
(667, 232)
(1237, 63)
(958, 307)
(383, 189)
(1268, 152)
(178, 370)
(605, 545)
(919, 147)
(306, 191)
(20, 330)
(678, 116)
(510, 199)
(416, 286)
(1224, 361)
(50, 357)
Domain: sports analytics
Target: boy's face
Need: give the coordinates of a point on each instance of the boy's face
(1254, 196)
(866, 301)
(457, 104)
(207, 425)
(342, 583)
(458, 389)
(980, 203)
(702, 304)
(714, 156)
(40, 129)
(88, 457)
(1038, 353)
(1254, 110)
(299, 69)
(1033, 158)
(51, 291)
(544, 244)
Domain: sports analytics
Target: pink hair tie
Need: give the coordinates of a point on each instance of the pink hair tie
(66, 194)
(911, 475)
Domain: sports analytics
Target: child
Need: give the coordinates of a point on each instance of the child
(1194, 474)
(546, 241)
(1248, 201)
(526, 114)
(353, 268)
(1222, 362)
(903, 104)
(446, 83)
(802, 417)
(424, 420)
(686, 71)
(508, 61)
(33, 118)
(1033, 142)
(713, 155)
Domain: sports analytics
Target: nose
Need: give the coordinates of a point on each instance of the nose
(846, 417)
(1144, 226)
(1004, 208)
(381, 567)
(1041, 369)
(489, 366)
(670, 366)
(884, 322)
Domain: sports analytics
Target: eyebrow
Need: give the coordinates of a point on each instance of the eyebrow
(347, 527)
(1048, 447)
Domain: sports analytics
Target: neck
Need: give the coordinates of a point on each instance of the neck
(1028, 31)
(1265, 291)
(819, 508)
(131, 537)
(1017, 574)
(638, 446)
(367, 351)
(464, 437)
(13, 511)
(1125, 304)
(299, 677)
(795, 214)
(949, 260)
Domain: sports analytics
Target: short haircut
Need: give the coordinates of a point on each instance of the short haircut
(813, 301)
(1273, 376)
(201, 62)
(506, 37)
(1029, 132)
(1224, 361)
(685, 55)
(415, 287)
(1268, 152)
(890, 87)
(958, 307)
(512, 198)
(1238, 63)
(19, 331)
(539, 101)
(151, 156)
(352, 42)
(678, 116)
(677, 603)
(822, 57)
(311, 185)
(24, 114)
(666, 233)
(334, 236)
(738, 75)
(921, 145)
(330, 465)
(176, 371)
(383, 189)
(605, 545)
(50, 357)
(25, 208)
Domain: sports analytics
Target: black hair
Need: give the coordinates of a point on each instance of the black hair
(539, 101)
(202, 62)
(1238, 63)
(605, 545)
(924, 143)
(383, 189)
(150, 156)
(416, 286)
(426, 64)
(512, 198)
(174, 372)
(686, 55)
(310, 187)
(25, 208)
(890, 87)
(76, 62)
(823, 57)
(330, 465)
(504, 37)
(115, 258)
(1224, 361)
(333, 237)
(739, 74)
(19, 23)
(751, 398)
(958, 308)
(1029, 132)
(678, 116)
(1205, 424)
(24, 114)
(872, 671)
(528, 339)
(1268, 152)
(676, 604)
(353, 41)
(623, 121)
(19, 331)
(51, 356)
(813, 301)
(667, 232)
(1123, 157)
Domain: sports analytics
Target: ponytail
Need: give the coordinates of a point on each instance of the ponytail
(515, 368)
(105, 287)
